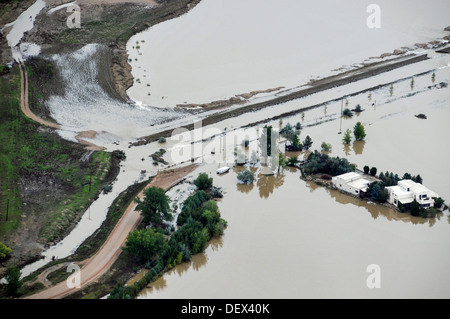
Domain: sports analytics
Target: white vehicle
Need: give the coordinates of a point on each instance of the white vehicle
(223, 170)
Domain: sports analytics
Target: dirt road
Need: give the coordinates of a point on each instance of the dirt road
(24, 106)
(96, 266)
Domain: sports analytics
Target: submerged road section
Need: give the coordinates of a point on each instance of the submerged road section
(312, 88)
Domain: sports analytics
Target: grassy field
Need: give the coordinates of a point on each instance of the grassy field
(41, 175)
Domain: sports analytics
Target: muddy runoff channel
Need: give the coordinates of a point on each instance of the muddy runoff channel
(288, 238)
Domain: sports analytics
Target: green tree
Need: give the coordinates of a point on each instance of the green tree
(347, 137)
(347, 112)
(377, 192)
(203, 182)
(415, 208)
(155, 206)
(417, 179)
(359, 131)
(287, 132)
(366, 169)
(146, 243)
(13, 281)
(246, 176)
(325, 147)
(4, 251)
(296, 145)
(407, 176)
(292, 161)
(211, 205)
(438, 202)
(307, 143)
(373, 171)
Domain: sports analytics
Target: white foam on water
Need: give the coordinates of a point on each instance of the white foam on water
(22, 24)
(85, 105)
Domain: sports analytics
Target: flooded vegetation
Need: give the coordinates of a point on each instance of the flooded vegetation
(286, 237)
(306, 240)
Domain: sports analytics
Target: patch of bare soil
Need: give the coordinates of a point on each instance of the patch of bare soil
(80, 137)
(235, 100)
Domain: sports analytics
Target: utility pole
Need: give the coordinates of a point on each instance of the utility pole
(342, 105)
(7, 209)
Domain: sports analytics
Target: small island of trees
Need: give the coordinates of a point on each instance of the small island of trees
(157, 246)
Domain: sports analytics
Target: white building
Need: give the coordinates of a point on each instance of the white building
(407, 190)
(352, 183)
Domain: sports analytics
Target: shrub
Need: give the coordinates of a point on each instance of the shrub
(162, 140)
(359, 131)
(287, 132)
(4, 69)
(246, 177)
(216, 193)
(4, 251)
(366, 169)
(347, 112)
(378, 192)
(245, 143)
(326, 147)
(322, 163)
(415, 208)
(296, 145)
(13, 281)
(203, 182)
(307, 143)
(358, 108)
(292, 161)
(211, 206)
(438, 202)
(347, 137)
(373, 171)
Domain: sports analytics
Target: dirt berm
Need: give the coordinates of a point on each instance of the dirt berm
(314, 87)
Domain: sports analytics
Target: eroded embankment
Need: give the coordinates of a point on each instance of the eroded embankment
(111, 23)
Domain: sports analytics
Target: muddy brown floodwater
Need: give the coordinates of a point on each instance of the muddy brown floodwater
(287, 238)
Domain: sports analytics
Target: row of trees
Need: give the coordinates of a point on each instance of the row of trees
(198, 221)
(291, 134)
(323, 163)
(359, 133)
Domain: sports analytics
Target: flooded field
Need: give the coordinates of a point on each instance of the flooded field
(223, 48)
(291, 239)
(287, 238)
